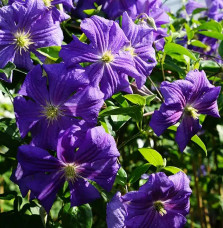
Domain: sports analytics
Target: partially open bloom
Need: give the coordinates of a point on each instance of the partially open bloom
(140, 47)
(185, 100)
(110, 64)
(56, 105)
(23, 29)
(162, 202)
(94, 158)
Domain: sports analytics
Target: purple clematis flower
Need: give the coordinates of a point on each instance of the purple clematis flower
(192, 5)
(184, 101)
(110, 64)
(161, 202)
(215, 9)
(94, 158)
(54, 106)
(58, 15)
(140, 47)
(23, 30)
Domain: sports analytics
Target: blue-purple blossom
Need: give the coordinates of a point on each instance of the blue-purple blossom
(140, 46)
(215, 9)
(23, 29)
(50, 5)
(110, 64)
(94, 158)
(185, 100)
(53, 105)
(192, 5)
(160, 203)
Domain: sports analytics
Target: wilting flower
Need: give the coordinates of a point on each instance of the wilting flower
(110, 64)
(23, 30)
(54, 106)
(140, 47)
(185, 100)
(93, 159)
(58, 15)
(161, 202)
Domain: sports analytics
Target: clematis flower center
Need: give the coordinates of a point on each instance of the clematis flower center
(107, 57)
(70, 172)
(22, 40)
(131, 50)
(159, 207)
(189, 110)
(47, 3)
(52, 112)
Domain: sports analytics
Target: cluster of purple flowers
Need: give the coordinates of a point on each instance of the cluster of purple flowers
(214, 8)
(59, 105)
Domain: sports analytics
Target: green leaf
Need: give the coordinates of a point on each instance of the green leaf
(190, 33)
(50, 52)
(200, 143)
(169, 64)
(220, 49)
(198, 10)
(172, 169)
(152, 156)
(76, 217)
(35, 58)
(212, 34)
(137, 173)
(211, 26)
(149, 99)
(8, 69)
(134, 111)
(8, 195)
(136, 99)
(121, 177)
(209, 65)
(172, 48)
(120, 99)
(198, 43)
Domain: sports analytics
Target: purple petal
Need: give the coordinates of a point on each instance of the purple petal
(104, 34)
(82, 192)
(166, 117)
(85, 103)
(45, 187)
(78, 52)
(27, 114)
(103, 172)
(124, 63)
(63, 83)
(46, 34)
(179, 197)
(176, 92)
(207, 102)
(23, 60)
(113, 82)
(35, 86)
(70, 140)
(36, 159)
(187, 129)
(115, 212)
(98, 145)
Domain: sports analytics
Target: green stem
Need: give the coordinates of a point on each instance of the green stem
(126, 142)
